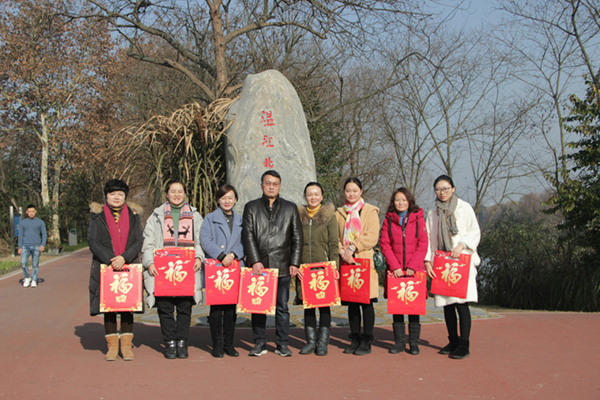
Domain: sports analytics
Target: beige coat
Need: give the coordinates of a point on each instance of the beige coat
(369, 220)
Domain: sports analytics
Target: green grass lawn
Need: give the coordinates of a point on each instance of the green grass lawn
(9, 266)
(73, 248)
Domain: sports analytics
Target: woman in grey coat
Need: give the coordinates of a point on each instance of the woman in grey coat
(221, 237)
(173, 224)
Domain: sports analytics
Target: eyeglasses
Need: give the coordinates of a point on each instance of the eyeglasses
(274, 184)
(443, 190)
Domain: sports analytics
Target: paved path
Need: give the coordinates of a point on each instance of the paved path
(52, 349)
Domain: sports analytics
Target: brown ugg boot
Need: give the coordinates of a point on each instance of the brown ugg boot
(126, 346)
(113, 346)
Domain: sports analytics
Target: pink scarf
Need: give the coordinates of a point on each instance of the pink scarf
(353, 227)
(119, 231)
(185, 230)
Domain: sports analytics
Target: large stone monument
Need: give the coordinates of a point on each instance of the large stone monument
(269, 131)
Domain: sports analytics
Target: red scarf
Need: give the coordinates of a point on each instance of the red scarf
(119, 231)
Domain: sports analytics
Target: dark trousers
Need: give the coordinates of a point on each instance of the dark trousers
(310, 317)
(368, 318)
(110, 322)
(175, 328)
(221, 319)
(282, 316)
(465, 320)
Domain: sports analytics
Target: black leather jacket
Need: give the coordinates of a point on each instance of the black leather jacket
(272, 237)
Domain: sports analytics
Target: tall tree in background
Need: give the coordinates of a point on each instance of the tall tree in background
(52, 72)
(217, 43)
(579, 195)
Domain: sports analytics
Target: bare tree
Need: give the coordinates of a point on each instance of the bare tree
(51, 71)
(558, 40)
(218, 42)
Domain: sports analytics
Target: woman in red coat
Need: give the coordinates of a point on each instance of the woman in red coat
(404, 248)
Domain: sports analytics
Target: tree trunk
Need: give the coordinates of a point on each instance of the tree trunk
(54, 234)
(44, 138)
(52, 204)
(222, 77)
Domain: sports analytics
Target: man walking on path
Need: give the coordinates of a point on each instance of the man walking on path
(272, 238)
(32, 239)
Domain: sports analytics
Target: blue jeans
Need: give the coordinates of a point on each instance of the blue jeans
(35, 261)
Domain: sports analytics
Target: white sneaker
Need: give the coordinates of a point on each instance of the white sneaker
(33, 284)
(26, 282)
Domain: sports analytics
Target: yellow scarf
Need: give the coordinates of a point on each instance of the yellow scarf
(311, 213)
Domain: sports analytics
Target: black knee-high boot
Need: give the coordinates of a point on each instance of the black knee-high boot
(414, 335)
(229, 319)
(215, 321)
(399, 337)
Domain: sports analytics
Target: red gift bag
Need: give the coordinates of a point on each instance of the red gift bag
(452, 275)
(258, 293)
(319, 286)
(121, 290)
(408, 294)
(222, 283)
(176, 276)
(355, 281)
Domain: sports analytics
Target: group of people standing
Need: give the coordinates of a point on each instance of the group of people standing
(275, 233)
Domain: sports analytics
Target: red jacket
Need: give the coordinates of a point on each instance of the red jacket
(408, 246)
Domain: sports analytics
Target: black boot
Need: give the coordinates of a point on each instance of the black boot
(399, 338)
(182, 351)
(311, 340)
(171, 349)
(365, 345)
(216, 332)
(462, 351)
(323, 341)
(354, 344)
(450, 347)
(228, 330)
(414, 335)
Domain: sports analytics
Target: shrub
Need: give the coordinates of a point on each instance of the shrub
(526, 264)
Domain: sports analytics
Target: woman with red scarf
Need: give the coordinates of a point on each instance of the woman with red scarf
(115, 238)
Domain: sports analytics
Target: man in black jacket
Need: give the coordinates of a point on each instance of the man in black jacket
(272, 238)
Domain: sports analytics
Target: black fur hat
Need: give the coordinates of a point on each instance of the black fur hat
(115, 185)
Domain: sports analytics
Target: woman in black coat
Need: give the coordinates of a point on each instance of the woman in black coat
(115, 237)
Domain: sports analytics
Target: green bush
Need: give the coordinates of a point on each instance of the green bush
(527, 265)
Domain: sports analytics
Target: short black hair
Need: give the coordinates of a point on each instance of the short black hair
(443, 178)
(116, 185)
(30, 206)
(309, 184)
(172, 182)
(353, 180)
(271, 172)
(223, 190)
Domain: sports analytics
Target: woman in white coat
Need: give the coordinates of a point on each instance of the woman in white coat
(453, 226)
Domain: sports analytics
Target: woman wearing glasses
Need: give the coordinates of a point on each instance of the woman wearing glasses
(453, 227)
